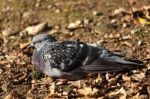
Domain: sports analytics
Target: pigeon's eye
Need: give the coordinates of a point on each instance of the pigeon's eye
(39, 41)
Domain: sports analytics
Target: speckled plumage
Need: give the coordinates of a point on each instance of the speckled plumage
(65, 54)
(72, 60)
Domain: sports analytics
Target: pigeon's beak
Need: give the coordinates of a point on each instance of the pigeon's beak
(31, 46)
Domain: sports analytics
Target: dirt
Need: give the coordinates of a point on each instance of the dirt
(95, 22)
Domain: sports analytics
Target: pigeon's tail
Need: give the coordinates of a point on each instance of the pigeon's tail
(112, 64)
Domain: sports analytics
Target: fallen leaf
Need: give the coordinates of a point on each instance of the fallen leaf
(138, 77)
(143, 21)
(126, 78)
(36, 29)
(87, 91)
(9, 96)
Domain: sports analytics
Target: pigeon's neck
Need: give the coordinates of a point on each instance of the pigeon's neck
(40, 46)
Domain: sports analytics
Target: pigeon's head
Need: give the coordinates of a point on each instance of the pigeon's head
(40, 40)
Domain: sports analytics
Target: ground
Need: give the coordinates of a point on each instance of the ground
(114, 24)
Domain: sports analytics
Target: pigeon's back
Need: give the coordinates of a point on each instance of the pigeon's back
(66, 55)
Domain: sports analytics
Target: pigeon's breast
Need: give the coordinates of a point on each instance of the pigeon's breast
(37, 62)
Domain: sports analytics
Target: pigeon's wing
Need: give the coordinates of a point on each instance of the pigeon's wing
(102, 60)
(65, 55)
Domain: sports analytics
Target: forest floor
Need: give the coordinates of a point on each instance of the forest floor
(118, 25)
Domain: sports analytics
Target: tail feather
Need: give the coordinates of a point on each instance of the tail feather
(111, 65)
(120, 60)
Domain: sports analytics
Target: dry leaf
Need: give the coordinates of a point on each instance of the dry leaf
(126, 78)
(52, 88)
(24, 45)
(138, 77)
(87, 91)
(9, 96)
(74, 25)
(119, 11)
(36, 29)
(120, 91)
(143, 21)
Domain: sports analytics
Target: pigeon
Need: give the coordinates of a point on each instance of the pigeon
(74, 60)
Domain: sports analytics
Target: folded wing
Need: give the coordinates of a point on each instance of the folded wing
(102, 60)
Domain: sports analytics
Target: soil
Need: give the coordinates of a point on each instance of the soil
(94, 21)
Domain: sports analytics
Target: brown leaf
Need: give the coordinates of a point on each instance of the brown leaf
(52, 88)
(87, 91)
(24, 45)
(126, 78)
(138, 77)
(120, 91)
(9, 96)
(148, 90)
(119, 11)
(36, 29)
